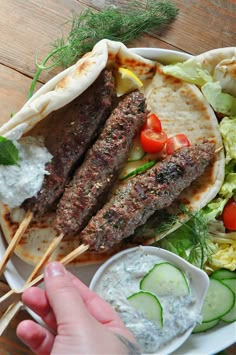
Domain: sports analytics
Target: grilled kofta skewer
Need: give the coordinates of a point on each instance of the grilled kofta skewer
(68, 133)
(95, 177)
(140, 197)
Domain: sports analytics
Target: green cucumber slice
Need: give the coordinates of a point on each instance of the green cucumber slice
(126, 173)
(231, 283)
(137, 152)
(218, 301)
(231, 315)
(149, 305)
(223, 274)
(203, 327)
(165, 279)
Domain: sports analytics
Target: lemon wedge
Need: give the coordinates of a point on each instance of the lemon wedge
(126, 81)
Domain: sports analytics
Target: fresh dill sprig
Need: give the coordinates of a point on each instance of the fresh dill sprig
(191, 241)
(114, 23)
(160, 222)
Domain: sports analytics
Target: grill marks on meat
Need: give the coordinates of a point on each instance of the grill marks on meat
(140, 197)
(68, 134)
(92, 181)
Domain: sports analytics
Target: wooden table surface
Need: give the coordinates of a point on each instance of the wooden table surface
(28, 27)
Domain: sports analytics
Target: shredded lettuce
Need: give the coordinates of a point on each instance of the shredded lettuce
(224, 254)
(220, 101)
(190, 71)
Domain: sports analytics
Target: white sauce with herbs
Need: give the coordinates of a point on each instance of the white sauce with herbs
(122, 280)
(18, 183)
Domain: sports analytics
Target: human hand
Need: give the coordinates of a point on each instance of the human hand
(80, 321)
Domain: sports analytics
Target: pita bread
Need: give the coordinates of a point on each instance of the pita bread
(180, 106)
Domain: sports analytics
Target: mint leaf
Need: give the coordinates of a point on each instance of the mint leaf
(9, 154)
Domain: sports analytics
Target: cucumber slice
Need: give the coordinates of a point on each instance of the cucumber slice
(231, 283)
(231, 315)
(129, 171)
(218, 301)
(203, 327)
(149, 305)
(137, 152)
(223, 274)
(165, 279)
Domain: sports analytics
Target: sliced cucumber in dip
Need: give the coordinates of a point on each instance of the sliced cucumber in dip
(223, 274)
(219, 301)
(137, 152)
(165, 279)
(231, 315)
(203, 327)
(149, 305)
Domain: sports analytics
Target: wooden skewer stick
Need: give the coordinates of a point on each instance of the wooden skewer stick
(15, 240)
(53, 245)
(15, 295)
(218, 150)
(9, 315)
(14, 308)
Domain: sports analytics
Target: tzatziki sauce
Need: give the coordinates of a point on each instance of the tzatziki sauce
(122, 279)
(22, 181)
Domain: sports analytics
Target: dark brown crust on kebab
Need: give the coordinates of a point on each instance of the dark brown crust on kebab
(92, 181)
(140, 197)
(68, 133)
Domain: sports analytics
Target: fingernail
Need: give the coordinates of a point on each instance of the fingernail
(55, 269)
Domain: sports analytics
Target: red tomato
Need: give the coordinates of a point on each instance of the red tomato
(153, 123)
(152, 142)
(229, 215)
(176, 142)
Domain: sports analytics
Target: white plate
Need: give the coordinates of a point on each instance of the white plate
(207, 343)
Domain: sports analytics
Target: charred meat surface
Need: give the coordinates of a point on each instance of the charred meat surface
(95, 177)
(68, 133)
(140, 197)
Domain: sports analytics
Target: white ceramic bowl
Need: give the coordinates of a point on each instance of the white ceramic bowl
(198, 281)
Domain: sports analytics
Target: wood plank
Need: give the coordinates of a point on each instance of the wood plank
(9, 343)
(201, 25)
(27, 30)
(13, 93)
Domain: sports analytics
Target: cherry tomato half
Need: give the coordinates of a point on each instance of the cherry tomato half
(229, 215)
(153, 123)
(176, 142)
(151, 141)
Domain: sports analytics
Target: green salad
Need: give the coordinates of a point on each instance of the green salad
(212, 231)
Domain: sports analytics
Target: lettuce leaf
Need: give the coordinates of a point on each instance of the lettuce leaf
(228, 132)
(228, 190)
(220, 101)
(190, 71)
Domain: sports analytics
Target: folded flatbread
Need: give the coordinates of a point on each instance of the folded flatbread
(180, 106)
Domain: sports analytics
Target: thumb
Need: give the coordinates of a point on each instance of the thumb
(63, 296)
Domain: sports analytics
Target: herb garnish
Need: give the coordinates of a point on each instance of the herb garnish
(114, 23)
(191, 241)
(183, 232)
(9, 154)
